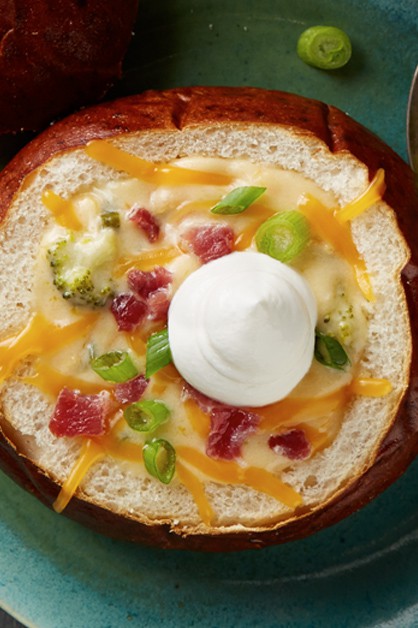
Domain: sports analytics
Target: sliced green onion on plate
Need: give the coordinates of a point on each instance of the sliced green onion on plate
(324, 47)
(158, 352)
(146, 415)
(160, 459)
(238, 200)
(329, 352)
(283, 236)
(116, 366)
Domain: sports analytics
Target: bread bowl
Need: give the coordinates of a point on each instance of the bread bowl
(254, 133)
(53, 59)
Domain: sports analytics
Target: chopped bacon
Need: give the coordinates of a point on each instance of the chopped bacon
(128, 311)
(76, 414)
(158, 303)
(209, 242)
(151, 299)
(292, 444)
(146, 222)
(144, 283)
(131, 391)
(229, 426)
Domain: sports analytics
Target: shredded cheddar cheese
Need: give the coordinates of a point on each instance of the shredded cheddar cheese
(230, 472)
(62, 210)
(197, 490)
(159, 174)
(91, 453)
(338, 235)
(372, 195)
(147, 260)
(41, 338)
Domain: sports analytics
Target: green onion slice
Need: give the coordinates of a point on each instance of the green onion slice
(238, 200)
(329, 351)
(116, 366)
(146, 415)
(110, 219)
(283, 236)
(158, 352)
(160, 459)
(324, 47)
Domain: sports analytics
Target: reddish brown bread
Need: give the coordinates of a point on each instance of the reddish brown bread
(55, 56)
(183, 109)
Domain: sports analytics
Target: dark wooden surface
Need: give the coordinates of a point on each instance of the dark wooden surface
(8, 622)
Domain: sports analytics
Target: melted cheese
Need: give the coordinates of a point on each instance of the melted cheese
(160, 174)
(372, 195)
(62, 210)
(175, 200)
(40, 336)
(51, 381)
(197, 489)
(91, 453)
(232, 473)
(147, 260)
(338, 235)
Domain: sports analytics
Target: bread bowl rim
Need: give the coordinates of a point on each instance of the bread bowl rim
(185, 108)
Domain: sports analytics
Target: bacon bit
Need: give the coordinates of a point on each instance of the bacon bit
(292, 444)
(158, 304)
(229, 428)
(131, 391)
(146, 222)
(128, 311)
(209, 242)
(144, 283)
(76, 414)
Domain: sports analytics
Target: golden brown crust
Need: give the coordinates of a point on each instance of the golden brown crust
(56, 56)
(185, 108)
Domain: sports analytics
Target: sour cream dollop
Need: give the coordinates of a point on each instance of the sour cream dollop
(242, 329)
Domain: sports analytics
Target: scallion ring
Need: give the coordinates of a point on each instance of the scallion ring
(158, 352)
(283, 236)
(329, 352)
(146, 415)
(238, 200)
(116, 366)
(324, 47)
(160, 459)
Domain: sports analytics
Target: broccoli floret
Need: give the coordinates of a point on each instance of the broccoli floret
(82, 266)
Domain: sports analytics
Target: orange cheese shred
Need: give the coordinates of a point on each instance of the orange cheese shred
(371, 386)
(51, 382)
(61, 209)
(293, 410)
(197, 490)
(198, 419)
(158, 174)
(146, 260)
(91, 452)
(317, 438)
(232, 473)
(40, 336)
(372, 195)
(326, 226)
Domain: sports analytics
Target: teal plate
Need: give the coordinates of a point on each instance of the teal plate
(361, 572)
